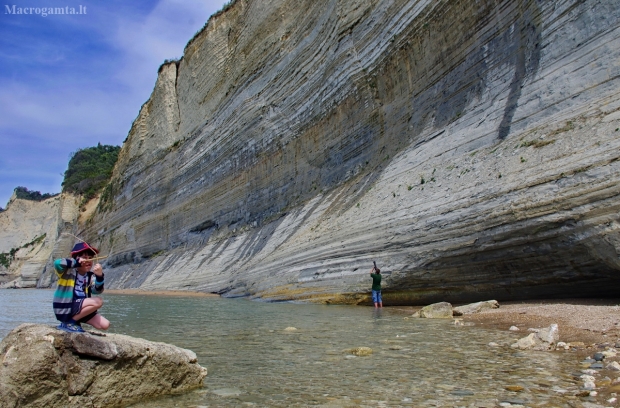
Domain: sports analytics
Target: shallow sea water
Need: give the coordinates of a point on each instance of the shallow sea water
(253, 360)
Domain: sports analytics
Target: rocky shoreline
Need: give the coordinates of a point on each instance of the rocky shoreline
(590, 321)
(589, 328)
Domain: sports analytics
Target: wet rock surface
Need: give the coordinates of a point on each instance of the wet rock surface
(45, 367)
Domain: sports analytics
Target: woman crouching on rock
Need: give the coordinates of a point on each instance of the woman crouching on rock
(73, 303)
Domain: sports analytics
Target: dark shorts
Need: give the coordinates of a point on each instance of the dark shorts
(76, 307)
(376, 296)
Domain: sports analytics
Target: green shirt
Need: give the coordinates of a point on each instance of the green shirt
(376, 281)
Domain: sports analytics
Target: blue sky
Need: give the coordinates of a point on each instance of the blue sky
(72, 81)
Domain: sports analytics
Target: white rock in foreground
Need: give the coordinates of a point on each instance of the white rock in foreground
(45, 367)
(541, 339)
(613, 366)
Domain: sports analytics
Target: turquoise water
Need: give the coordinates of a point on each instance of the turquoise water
(254, 361)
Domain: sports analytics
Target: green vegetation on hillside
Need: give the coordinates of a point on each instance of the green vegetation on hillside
(89, 170)
(24, 194)
(7, 257)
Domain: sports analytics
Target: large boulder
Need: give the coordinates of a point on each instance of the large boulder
(475, 307)
(441, 310)
(45, 367)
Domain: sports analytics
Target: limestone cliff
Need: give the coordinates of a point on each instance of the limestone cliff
(32, 234)
(470, 148)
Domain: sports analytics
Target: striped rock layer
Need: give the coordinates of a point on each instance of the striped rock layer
(470, 148)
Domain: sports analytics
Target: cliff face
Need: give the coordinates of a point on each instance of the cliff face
(35, 233)
(470, 148)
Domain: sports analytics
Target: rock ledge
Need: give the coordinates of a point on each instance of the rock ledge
(45, 367)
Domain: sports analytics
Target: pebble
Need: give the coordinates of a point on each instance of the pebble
(588, 361)
(361, 351)
(589, 386)
(599, 356)
(513, 328)
(462, 392)
(513, 402)
(588, 382)
(613, 366)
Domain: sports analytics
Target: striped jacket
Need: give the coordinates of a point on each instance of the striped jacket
(63, 297)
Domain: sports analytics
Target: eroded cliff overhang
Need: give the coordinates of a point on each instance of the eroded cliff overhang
(469, 147)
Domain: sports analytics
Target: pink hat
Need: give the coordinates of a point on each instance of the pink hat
(82, 247)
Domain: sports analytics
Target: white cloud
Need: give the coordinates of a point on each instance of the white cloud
(97, 97)
(161, 35)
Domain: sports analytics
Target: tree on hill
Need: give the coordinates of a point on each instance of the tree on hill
(89, 170)
(25, 194)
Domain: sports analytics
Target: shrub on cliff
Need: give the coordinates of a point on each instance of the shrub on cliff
(89, 170)
(7, 257)
(24, 194)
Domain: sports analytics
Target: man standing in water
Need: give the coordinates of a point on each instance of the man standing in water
(375, 274)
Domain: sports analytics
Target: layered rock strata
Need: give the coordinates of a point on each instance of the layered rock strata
(32, 234)
(45, 367)
(470, 148)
